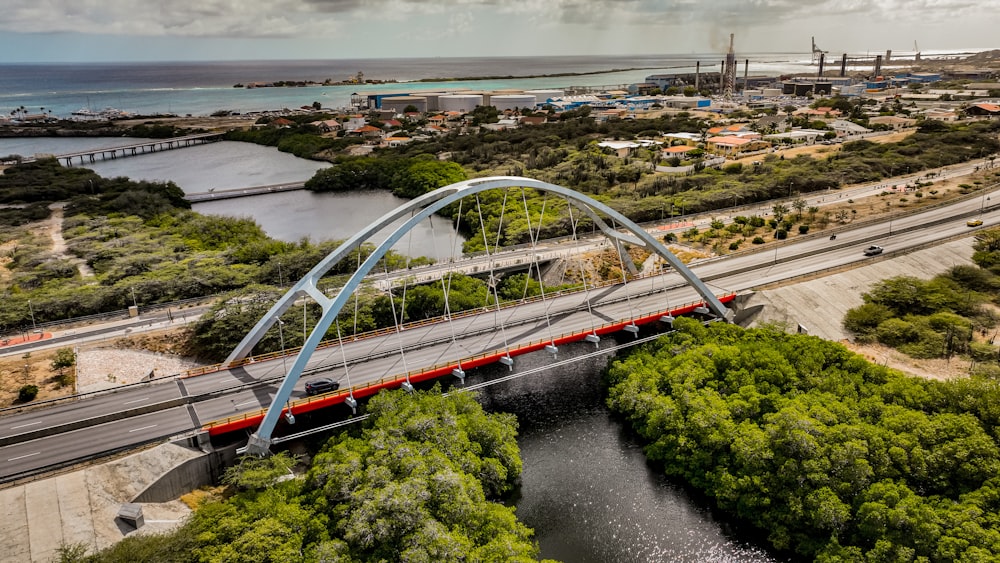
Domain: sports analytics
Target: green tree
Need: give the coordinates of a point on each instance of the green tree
(424, 176)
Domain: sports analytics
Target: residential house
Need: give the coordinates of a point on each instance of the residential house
(533, 119)
(689, 139)
(328, 125)
(892, 121)
(941, 114)
(355, 122)
(395, 141)
(369, 132)
(732, 145)
(847, 129)
(807, 136)
(983, 110)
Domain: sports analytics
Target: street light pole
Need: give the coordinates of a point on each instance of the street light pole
(134, 302)
(32, 313)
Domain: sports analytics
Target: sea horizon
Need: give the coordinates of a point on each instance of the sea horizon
(206, 87)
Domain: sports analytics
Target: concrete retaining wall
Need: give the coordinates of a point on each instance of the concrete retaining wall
(191, 474)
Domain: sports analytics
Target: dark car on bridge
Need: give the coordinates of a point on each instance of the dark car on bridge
(321, 385)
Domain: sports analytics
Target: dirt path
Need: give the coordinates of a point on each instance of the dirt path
(59, 249)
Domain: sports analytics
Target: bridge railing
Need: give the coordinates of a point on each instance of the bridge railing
(436, 370)
(409, 326)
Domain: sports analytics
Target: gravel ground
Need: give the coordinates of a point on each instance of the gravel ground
(104, 368)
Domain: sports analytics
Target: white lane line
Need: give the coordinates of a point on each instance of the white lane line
(253, 402)
(144, 428)
(23, 456)
(136, 401)
(28, 424)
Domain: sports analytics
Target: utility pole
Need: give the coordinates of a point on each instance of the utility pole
(32, 313)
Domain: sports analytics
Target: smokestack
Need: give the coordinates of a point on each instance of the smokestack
(697, 75)
(746, 74)
(843, 65)
(722, 76)
(729, 70)
(878, 65)
(822, 60)
(888, 55)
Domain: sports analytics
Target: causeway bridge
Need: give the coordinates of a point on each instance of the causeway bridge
(136, 149)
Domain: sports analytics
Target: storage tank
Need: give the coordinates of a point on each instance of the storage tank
(771, 92)
(432, 99)
(512, 101)
(825, 88)
(788, 88)
(399, 104)
(459, 102)
(542, 96)
(803, 88)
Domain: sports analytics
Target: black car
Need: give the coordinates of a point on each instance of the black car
(321, 385)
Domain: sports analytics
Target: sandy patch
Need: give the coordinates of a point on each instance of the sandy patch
(105, 368)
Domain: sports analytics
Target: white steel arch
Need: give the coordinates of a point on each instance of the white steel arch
(419, 209)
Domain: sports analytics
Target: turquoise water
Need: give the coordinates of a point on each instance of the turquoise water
(207, 87)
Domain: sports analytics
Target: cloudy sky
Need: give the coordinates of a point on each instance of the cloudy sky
(138, 30)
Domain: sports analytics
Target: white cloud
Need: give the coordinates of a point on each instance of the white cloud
(558, 25)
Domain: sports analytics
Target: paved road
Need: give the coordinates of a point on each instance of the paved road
(194, 401)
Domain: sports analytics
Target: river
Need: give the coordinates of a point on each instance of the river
(586, 487)
(288, 216)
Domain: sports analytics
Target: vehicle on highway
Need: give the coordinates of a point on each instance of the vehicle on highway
(873, 250)
(974, 222)
(321, 385)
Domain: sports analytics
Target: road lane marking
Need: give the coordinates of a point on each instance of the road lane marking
(28, 424)
(136, 401)
(23, 456)
(253, 402)
(144, 428)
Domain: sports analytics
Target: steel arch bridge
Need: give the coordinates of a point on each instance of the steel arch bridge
(417, 210)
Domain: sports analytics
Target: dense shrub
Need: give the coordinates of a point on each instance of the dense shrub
(837, 459)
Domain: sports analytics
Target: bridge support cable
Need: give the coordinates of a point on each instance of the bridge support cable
(668, 318)
(418, 210)
(492, 281)
(356, 297)
(398, 321)
(631, 327)
(592, 337)
(551, 347)
(458, 371)
(350, 400)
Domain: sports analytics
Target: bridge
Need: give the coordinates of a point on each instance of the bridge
(264, 392)
(231, 193)
(136, 149)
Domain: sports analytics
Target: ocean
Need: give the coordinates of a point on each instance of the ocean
(202, 88)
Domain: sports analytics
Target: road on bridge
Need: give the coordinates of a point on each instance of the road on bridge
(140, 413)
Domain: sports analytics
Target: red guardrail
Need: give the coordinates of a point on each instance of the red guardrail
(308, 404)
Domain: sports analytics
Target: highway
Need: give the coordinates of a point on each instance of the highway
(139, 413)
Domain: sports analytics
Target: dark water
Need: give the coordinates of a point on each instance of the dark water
(587, 489)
